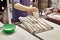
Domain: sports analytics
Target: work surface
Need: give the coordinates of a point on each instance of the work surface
(21, 34)
(52, 34)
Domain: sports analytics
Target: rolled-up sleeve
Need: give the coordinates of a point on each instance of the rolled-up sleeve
(15, 1)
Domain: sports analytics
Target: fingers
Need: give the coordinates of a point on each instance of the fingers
(33, 9)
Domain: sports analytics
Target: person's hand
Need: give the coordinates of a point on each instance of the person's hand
(33, 9)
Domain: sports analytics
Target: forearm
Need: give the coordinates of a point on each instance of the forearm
(19, 6)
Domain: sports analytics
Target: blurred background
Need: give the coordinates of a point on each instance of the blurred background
(46, 9)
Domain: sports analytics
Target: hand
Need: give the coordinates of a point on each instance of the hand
(33, 9)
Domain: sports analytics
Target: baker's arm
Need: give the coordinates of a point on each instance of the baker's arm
(25, 8)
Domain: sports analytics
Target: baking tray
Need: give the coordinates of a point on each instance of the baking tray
(42, 22)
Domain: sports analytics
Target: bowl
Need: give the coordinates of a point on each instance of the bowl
(8, 28)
